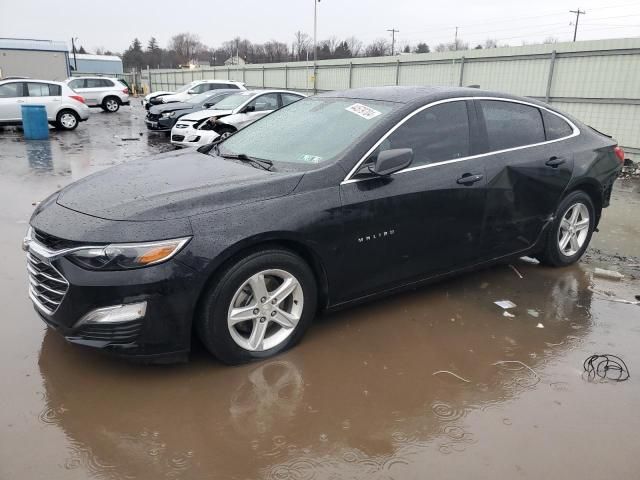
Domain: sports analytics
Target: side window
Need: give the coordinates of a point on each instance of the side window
(436, 134)
(77, 83)
(39, 89)
(106, 83)
(288, 98)
(55, 90)
(511, 124)
(93, 83)
(232, 85)
(266, 102)
(203, 87)
(12, 90)
(555, 127)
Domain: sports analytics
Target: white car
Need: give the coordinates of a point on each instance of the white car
(229, 115)
(186, 91)
(65, 108)
(104, 92)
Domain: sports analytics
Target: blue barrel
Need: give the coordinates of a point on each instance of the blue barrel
(34, 122)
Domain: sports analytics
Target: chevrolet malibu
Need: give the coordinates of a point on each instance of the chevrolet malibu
(332, 200)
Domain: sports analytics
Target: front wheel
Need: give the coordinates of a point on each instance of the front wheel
(258, 307)
(570, 231)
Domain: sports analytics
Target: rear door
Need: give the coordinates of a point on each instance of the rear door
(92, 91)
(422, 221)
(527, 171)
(47, 94)
(12, 96)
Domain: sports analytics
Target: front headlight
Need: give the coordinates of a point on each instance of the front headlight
(168, 115)
(123, 256)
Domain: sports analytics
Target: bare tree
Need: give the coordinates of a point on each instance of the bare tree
(355, 45)
(378, 48)
(452, 46)
(550, 40)
(301, 44)
(490, 43)
(186, 45)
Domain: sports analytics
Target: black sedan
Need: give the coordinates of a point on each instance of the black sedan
(332, 200)
(162, 118)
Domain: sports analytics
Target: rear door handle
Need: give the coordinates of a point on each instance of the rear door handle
(555, 162)
(469, 179)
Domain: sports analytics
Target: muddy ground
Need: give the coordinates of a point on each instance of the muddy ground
(359, 397)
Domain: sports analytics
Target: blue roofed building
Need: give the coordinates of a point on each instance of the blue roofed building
(95, 64)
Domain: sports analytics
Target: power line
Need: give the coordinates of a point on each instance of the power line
(393, 39)
(578, 12)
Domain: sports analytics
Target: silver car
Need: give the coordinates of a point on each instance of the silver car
(65, 108)
(229, 115)
(107, 93)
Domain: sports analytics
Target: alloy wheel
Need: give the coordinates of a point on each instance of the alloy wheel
(265, 310)
(111, 105)
(574, 229)
(68, 120)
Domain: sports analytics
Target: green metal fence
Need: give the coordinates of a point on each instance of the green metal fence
(596, 81)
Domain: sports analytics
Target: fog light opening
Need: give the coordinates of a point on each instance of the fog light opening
(114, 314)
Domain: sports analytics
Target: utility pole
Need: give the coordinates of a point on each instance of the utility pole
(315, 31)
(73, 48)
(393, 39)
(455, 40)
(578, 12)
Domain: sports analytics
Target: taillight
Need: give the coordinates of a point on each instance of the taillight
(77, 98)
(125, 91)
(619, 153)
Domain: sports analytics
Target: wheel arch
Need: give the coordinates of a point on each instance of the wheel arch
(592, 188)
(256, 243)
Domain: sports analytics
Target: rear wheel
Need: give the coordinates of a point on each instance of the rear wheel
(258, 307)
(111, 104)
(570, 231)
(67, 120)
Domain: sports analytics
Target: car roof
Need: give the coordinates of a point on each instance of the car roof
(29, 80)
(417, 94)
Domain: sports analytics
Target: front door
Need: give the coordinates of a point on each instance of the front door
(419, 222)
(12, 96)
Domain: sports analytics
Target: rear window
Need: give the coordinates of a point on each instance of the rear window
(555, 127)
(511, 125)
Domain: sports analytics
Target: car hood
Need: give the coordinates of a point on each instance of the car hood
(170, 107)
(196, 116)
(173, 185)
(155, 94)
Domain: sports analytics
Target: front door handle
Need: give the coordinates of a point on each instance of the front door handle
(555, 162)
(469, 179)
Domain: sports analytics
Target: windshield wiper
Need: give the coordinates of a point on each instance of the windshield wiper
(262, 163)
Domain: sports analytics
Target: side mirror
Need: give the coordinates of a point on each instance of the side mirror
(249, 109)
(191, 92)
(391, 161)
(207, 105)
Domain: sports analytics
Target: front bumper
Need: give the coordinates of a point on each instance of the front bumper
(191, 137)
(162, 333)
(159, 124)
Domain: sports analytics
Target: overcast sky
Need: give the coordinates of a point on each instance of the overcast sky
(114, 23)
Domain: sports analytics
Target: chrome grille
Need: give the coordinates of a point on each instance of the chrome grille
(47, 286)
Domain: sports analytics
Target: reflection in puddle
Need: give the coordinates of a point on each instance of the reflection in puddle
(357, 399)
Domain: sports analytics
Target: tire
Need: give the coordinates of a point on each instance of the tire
(554, 253)
(111, 104)
(67, 120)
(255, 336)
(226, 131)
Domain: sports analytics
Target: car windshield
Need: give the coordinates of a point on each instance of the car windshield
(184, 88)
(310, 131)
(234, 101)
(201, 97)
